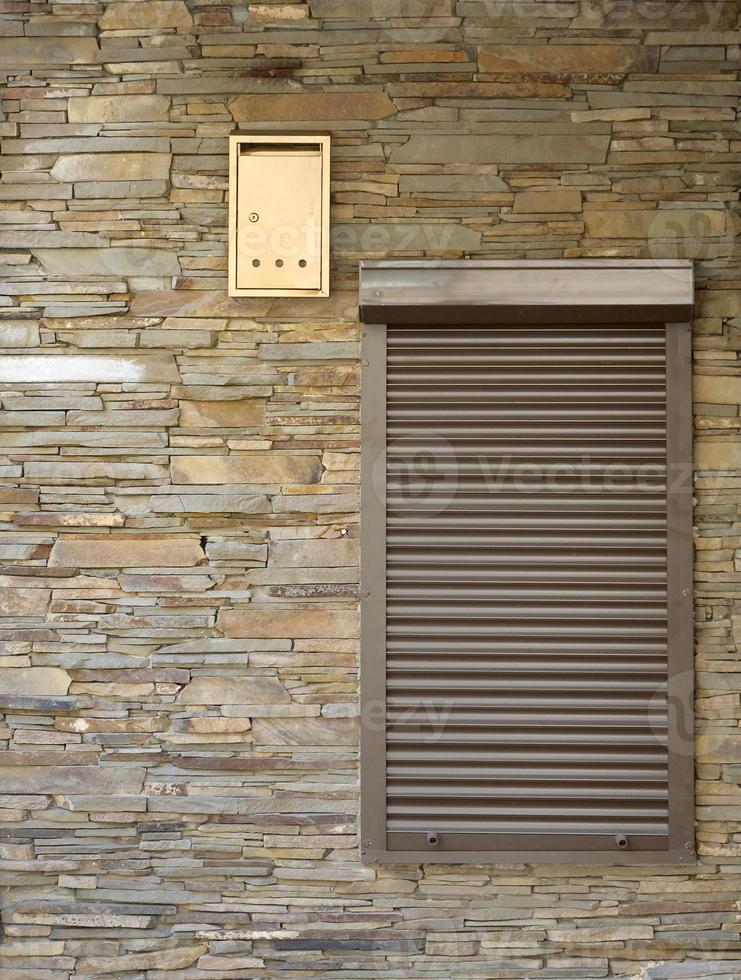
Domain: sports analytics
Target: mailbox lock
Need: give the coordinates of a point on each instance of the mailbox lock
(254, 216)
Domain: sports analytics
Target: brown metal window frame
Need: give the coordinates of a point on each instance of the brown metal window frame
(482, 291)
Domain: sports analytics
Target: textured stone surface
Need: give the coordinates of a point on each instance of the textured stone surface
(253, 468)
(311, 105)
(125, 552)
(501, 149)
(569, 58)
(278, 621)
(124, 261)
(118, 108)
(97, 368)
(179, 479)
(127, 15)
(22, 51)
(113, 166)
(33, 680)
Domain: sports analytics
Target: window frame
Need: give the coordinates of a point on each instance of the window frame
(422, 292)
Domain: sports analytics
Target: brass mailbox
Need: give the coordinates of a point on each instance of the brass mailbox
(279, 214)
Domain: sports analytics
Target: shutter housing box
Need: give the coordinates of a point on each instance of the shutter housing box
(526, 630)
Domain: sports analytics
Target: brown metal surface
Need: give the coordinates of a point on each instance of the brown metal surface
(461, 291)
(530, 585)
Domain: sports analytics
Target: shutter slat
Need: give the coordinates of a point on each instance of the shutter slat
(526, 613)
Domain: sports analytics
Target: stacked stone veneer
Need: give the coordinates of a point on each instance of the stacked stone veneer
(179, 501)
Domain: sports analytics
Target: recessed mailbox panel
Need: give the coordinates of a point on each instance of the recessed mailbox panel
(279, 215)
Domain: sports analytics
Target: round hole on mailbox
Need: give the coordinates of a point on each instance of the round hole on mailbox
(256, 262)
(302, 263)
(279, 262)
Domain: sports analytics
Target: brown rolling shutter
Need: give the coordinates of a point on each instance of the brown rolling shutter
(525, 674)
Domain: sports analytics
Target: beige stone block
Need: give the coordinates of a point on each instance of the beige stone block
(125, 552)
(314, 553)
(655, 223)
(24, 51)
(721, 748)
(118, 108)
(255, 468)
(134, 14)
(212, 725)
(222, 414)
(277, 621)
(717, 389)
(717, 454)
(33, 946)
(585, 934)
(225, 965)
(567, 58)
(719, 302)
(547, 202)
(499, 148)
(23, 602)
(358, 104)
(459, 947)
(112, 166)
(245, 689)
(34, 681)
(98, 368)
(19, 333)
(160, 959)
(132, 692)
(346, 9)
(305, 731)
(118, 261)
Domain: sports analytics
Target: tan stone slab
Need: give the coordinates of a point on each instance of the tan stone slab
(222, 414)
(717, 454)
(314, 553)
(655, 223)
(359, 104)
(23, 51)
(23, 602)
(276, 621)
(717, 389)
(116, 261)
(547, 202)
(47, 518)
(719, 302)
(305, 731)
(721, 747)
(255, 468)
(118, 108)
(35, 681)
(499, 148)
(160, 959)
(112, 166)
(151, 15)
(348, 9)
(567, 58)
(232, 690)
(197, 303)
(124, 552)
(98, 368)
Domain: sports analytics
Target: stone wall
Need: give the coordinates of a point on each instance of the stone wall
(178, 675)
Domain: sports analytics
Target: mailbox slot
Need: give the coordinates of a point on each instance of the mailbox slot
(279, 215)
